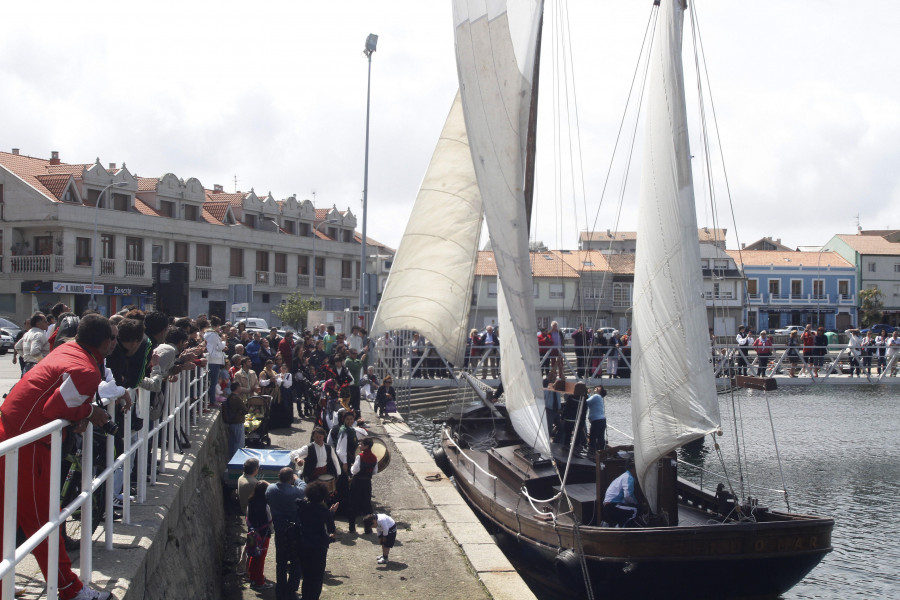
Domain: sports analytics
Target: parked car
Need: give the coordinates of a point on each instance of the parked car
(787, 330)
(567, 332)
(9, 327)
(877, 328)
(6, 343)
(254, 324)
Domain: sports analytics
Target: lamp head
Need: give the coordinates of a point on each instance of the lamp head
(371, 42)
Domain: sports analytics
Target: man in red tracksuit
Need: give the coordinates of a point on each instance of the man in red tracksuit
(61, 386)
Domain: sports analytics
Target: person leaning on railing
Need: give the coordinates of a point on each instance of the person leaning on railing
(61, 386)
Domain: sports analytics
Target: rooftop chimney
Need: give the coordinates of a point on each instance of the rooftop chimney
(54, 157)
(16, 151)
(112, 166)
(217, 189)
(608, 233)
(743, 245)
(778, 241)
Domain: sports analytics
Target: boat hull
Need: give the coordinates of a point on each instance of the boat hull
(738, 560)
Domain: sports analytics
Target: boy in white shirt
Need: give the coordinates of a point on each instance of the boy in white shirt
(386, 529)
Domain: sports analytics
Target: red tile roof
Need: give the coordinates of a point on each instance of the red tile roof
(147, 184)
(145, 209)
(870, 244)
(216, 209)
(790, 258)
(55, 184)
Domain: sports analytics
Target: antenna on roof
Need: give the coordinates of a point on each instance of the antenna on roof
(858, 226)
(235, 184)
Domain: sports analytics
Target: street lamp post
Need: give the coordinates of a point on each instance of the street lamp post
(92, 304)
(314, 274)
(371, 43)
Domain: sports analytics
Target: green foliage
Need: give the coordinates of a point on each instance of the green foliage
(870, 306)
(294, 310)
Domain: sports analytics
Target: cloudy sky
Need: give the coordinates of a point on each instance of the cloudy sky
(273, 93)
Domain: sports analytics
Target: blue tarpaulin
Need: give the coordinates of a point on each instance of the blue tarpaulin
(270, 462)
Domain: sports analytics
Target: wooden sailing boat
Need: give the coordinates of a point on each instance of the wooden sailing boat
(700, 545)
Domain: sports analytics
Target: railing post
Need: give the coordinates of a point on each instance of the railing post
(87, 509)
(143, 454)
(10, 493)
(53, 538)
(108, 495)
(126, 466)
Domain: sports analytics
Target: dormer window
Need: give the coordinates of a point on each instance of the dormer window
(167, 208)
(250, 221)
(120, 202)
(191, 212)
(289, 226)
(333, 233)
(305, 230)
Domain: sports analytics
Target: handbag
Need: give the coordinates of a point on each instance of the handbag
(390, 406)
(253, 544)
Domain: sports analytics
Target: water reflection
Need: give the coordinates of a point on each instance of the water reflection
(838, 454)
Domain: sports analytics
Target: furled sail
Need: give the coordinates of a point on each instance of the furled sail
(496, 45)
(673, 396)
(429, 289)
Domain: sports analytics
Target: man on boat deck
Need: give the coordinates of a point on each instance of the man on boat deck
(597, 417)
(620, 505)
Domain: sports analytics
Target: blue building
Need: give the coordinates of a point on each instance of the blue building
(795, 288)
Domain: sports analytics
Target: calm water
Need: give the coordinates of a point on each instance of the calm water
(839, 454)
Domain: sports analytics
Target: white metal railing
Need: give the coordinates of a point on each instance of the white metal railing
(134, 268)
(280, 278)
(202, 273)
(185, 399)
(107, 266)
(45, 263)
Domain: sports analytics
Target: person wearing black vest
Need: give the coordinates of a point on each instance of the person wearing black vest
(317, 458)
(360, 500)
(345, 440)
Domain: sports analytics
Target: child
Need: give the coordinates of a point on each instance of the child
(387, 533)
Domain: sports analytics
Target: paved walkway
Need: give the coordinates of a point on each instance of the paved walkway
(427, 561)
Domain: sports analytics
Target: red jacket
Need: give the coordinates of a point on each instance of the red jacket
(286, 348)
(61, 386)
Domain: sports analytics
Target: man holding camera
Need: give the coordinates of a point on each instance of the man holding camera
(61, 386)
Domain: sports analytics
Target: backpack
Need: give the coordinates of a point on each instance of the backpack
(294, 536)
(254, 544)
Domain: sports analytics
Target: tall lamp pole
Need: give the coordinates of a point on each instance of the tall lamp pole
(92, 304)
(314, 274)
(371, 42)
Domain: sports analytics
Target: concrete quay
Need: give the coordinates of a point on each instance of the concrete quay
(442, 549)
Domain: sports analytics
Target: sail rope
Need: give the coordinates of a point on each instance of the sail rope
(787, 502)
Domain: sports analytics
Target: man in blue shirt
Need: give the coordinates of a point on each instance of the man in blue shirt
(597, 417)
(282, 500)
(620, 505)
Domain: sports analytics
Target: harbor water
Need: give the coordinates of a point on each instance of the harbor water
(838, 449)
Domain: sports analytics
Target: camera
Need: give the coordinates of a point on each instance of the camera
(110, 427)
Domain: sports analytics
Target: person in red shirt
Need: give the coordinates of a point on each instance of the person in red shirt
(763, 347)
(286, 347)
(61, 386)
(809, 342)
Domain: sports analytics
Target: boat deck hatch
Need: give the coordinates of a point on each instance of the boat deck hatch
(532, 456)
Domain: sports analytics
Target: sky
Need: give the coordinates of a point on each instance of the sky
(806, 97)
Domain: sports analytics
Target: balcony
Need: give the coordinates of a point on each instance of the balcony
(134, 268)
(46, 263)
(262, 277)
(348, 283)
(847, 299)
(281, 279)
(303, 280)
(203, 273)
(719, 295)
(107, 266)
(320, 281)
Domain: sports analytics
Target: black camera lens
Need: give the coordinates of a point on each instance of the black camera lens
(110, 427)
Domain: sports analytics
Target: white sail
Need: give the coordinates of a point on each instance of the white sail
(429, 289)
(496, 45)
(673, 396)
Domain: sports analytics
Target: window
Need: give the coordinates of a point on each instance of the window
(262, 260)
(775, 287)
(302, 265)
(156, 253)
(346, 269)
(250, 221)
(83, 251)
(280, 262)
(753, 287)
(796, 288)
(120, 202)
(134, 249)
(191, 212)
(347, 236)
(818, 290)
(237, 263)
(265, 298)
(896, 267)
(289, 226)
(92, 196)
(557, 290)
(181, 252)
(204, 255)
(108, 245)
(622, 294)
(43, 245)
(871, 267)
(305, 230)
(844, 288)
(492, 290)
(1, 193)
(167, 208)
(332, 233)
(537, 290)
(320, 266)
(386, 266)
(591, 293)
